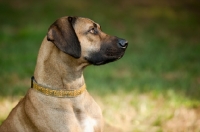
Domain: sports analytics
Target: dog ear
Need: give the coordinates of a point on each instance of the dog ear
(63, 35)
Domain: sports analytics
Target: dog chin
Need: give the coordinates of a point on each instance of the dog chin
(102, 61)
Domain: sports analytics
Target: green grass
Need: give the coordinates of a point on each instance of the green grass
(160, 70)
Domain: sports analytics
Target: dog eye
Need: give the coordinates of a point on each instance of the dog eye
(93, 31)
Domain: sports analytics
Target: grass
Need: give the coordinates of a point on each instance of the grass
(155, 85)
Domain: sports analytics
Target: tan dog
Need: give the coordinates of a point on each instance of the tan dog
(58, 101)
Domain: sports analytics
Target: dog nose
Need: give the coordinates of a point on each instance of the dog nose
(122, 43)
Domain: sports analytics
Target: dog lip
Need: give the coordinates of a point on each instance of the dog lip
(120, 56)
(99, 63)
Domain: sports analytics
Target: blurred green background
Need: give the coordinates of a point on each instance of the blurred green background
(161, 66)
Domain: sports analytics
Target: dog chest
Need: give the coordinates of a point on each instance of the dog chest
(88, 124)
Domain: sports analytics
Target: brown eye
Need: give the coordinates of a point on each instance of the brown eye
(92, 31)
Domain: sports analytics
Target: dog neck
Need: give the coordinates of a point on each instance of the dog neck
(56, 92)
(57, 70)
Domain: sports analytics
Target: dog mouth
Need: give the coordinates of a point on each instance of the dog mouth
(111, 60)
(101, 59)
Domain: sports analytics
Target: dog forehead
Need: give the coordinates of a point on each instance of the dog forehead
(85, 22)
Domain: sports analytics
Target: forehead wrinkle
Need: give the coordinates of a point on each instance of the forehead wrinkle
(95, 25)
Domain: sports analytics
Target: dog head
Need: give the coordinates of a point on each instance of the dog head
(83, 39)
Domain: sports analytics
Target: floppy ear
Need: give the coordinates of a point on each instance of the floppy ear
(62, 34)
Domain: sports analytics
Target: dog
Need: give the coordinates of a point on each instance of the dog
(58, 100)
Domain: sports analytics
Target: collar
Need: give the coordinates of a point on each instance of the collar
(56, 92)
